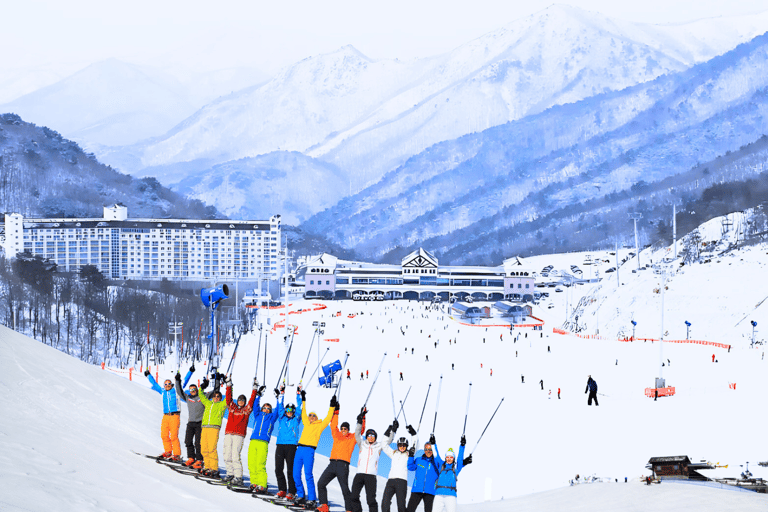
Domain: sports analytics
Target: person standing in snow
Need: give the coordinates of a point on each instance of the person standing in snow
(367, 465)
(397, 483)
(234, 434)
(195, 410)
(424, 479)
(288, 426)
(338, 465)
(209, 439)
(264, 419)
(592, 389)
(448, 474)
(169, 427)
(305, 453)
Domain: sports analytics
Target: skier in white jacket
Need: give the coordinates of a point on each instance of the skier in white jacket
(368, 464)
(397, 484)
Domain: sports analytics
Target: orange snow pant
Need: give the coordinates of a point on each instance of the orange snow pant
(169, 431)
(209, 441)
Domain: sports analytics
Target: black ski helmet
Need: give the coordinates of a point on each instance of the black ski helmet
(290, 408)
(402, 442)
(371, 432)
(345, 425)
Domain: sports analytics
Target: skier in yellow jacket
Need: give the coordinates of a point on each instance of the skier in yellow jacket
(209, 440)
(305, 452)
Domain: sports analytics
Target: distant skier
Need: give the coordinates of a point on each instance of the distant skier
(349, 374)
(361, 375)
(558, 393)
(522, 378)
(542, 384)
(592, 389)
(169, 428)
(401, 375)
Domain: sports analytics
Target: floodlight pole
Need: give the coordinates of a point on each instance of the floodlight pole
(635, 217)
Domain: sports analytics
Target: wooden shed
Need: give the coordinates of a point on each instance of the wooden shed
(678, 466)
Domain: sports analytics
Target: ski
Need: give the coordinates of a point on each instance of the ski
(212, 481)
(280, 502)
(169, 462)
(242, 489)
(155, 457)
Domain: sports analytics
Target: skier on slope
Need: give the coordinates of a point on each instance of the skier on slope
(423, 487)
(169, 427)
(195, 410)
(448, 474)
(234, 434)
(338, 465)
(212, 416)
(367, 465)
(288, 427)
(305, 453)
(397, 483)
(592, 388)
(263, 422)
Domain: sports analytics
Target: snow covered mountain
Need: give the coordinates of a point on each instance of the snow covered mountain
(369, 116)
(547, 177)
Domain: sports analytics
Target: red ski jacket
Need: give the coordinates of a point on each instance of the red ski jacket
(237, 421)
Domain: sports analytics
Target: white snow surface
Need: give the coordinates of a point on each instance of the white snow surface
(68, 429)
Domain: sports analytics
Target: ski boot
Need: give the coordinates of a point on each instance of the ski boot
(197, 465)
(290, 497)
(282, 494)
(300, 502)
(322, 508)
(165, 455)
(310, 505)
(189, 462)
(175, 458)
(236, 482)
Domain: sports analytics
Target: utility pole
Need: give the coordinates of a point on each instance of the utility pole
(674, 228)
(635, 217)
(618, 278)
(661, 270)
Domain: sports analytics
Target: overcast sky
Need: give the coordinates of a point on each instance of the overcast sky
(271, 35)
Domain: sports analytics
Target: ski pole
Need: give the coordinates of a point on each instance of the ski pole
(341, 381)
(234, 355)
(318, 365)
(437, 404)
(306, 361)
(258, 355)
(394, 414)
(266, 345)
(402, 403)
(284, 363)
(375, 379)
(425, 406)
(466, 413)
(486, 427)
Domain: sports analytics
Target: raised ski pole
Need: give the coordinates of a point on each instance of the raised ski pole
(341, 381)
(306, 361)
(234, 355)
(284, 362)
(402, 403)
(466, 413)
(486, 427)
(437, 404)
(374, 380)
(394, 413)
(318, 365)
(258, 355)
(425, 406)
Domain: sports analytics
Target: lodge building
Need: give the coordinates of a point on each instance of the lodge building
(150, 249)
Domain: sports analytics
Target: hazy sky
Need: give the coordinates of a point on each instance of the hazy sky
(272, 34)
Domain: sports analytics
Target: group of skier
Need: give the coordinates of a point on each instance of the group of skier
(434, 480)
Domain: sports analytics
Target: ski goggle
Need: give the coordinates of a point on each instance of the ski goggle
(167, 383)
(217, 395)
(312, 415)
(267, 408)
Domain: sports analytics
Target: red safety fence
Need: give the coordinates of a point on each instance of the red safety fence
(555, 330)
(651, 392)
(333, 340)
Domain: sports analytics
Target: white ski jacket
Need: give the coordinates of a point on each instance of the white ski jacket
(368, 459)
(399, 468)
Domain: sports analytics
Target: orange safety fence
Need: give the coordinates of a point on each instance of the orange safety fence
(555, 330)
(668, 391)
(333, 340)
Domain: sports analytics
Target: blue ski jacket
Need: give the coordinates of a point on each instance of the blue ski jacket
(288, 429)
(262, 423)
(448, 474)
(170, 400)
(426, 473)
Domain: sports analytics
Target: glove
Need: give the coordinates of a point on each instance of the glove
(467, 461)
(363, 411)
(192, 368)
(395, 425)
(229, 382)
(432, 439)
(411, 430)
(303, 395)
(463, 441)
(334, 403)
(256, 386)
(388, 431)
(146, 373)
(222, 377)
(261, 390)
(360, 418)
(177, 377)
(282, 388)
(412, 451)
(205, 383)
(277, 391)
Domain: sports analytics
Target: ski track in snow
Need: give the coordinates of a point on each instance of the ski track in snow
(68, 428)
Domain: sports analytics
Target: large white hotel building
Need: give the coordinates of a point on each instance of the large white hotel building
(150, 249)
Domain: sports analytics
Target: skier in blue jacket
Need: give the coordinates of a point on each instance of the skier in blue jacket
(288, 432)
(169, 428)
(448, 474)
(423, 487)
(264, 420)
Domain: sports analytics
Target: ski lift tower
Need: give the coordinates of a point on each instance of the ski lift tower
(662, 271)
(635, 217)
